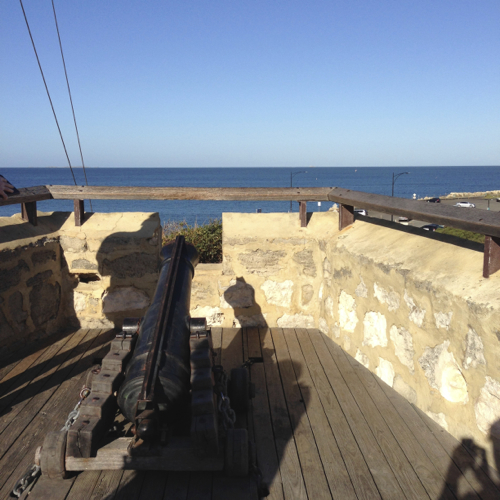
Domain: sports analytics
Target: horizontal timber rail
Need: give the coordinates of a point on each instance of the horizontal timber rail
(478, 221)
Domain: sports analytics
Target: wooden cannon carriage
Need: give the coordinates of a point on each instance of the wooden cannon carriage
(157, 401)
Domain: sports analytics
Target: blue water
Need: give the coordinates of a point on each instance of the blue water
(423, 181)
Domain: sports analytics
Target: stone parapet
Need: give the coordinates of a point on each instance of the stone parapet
(56, 275)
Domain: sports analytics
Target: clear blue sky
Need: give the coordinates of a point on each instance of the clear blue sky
(256, 83)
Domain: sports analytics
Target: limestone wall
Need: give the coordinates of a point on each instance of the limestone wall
(410, 305)
(56, 275)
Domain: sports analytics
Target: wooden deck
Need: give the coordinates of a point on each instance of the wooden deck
(324, 427)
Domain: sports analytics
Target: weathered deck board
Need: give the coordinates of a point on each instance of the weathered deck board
(324, 427)
(380, 469)
(310, 462)
(357, 468)
(267, 458)
(402, 469)
(427, 472)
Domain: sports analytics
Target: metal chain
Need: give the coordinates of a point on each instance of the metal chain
(29, 478)
(227, 413)
(73, 415)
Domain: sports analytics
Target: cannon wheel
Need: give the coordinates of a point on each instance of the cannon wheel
(52, 459)
(239, 390)
(236, 455)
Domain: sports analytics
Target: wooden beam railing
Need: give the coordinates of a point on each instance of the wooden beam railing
(478, 221)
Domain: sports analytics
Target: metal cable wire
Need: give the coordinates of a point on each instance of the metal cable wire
(47, 90)
(70, 99)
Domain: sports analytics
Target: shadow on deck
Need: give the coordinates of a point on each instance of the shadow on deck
(323, 425)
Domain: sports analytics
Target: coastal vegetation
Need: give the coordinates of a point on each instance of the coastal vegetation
(207, 238)
(466, 235)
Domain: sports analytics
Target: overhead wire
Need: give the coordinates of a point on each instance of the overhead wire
(71, 99)
(48, 93)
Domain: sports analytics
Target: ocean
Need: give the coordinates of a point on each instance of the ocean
(422, 181)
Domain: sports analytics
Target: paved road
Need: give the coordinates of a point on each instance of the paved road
(481, 204)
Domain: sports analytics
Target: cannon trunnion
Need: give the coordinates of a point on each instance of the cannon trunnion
(159, 388)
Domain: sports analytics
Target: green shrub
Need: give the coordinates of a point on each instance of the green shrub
(466, 235)
(207, 238)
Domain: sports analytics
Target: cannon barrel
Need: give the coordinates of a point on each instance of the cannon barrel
(172, 368)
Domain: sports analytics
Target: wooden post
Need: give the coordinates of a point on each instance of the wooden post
(79, 212)
(28, 212)
(303, 213)
(346, 216)
(491, 262)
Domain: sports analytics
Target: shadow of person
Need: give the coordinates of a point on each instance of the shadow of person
(127, 266)
(276, 412)
(494, 437)
(240, 296)
(469, 464)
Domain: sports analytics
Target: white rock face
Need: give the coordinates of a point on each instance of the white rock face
(403, 346)
(347, 312)
(296, 321)
(385, 297)
(237, 295)
(361, 289)
(95, 323)
(416, 314)
(347, 343)
(323, 326)
(385, 371)
(320, 293)
(327, 272)
(474, 350)
(214, 315)
(336, 330)
(279, 294)
(254, 320)
(443, 373)
(329, 306)
(404, 389)
(79, 301)
(362, 358)
(375, 329)
(439, 418)
(487, 408)
(127, 298)
(443, 320)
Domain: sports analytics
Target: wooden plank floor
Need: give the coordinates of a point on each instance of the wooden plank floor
(323, 425)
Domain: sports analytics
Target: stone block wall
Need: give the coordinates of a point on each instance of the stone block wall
(55, 275)
(272, 272)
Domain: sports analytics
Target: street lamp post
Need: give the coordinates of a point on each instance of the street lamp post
(292, 175)
(394, 178)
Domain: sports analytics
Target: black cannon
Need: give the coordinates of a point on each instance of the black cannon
(167, 380)
(157, 378)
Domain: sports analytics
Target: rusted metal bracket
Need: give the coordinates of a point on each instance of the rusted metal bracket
(303, 213)
(491, 262)
(28, 212)
(79, 212)
(346, 216)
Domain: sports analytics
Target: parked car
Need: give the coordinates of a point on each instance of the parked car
(360, 211)
(466, 204)
(404, 220)
(431, 227)
(434, 200)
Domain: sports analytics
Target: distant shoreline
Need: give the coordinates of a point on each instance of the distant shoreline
(479, 194)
